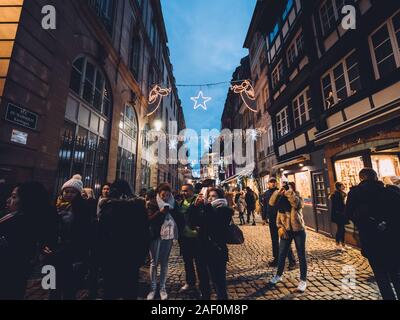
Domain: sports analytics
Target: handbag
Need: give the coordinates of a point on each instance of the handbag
(168, 230)
(235, 234)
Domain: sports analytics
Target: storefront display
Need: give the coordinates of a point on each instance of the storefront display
(386, 165)
(303, 185)
(347, 171)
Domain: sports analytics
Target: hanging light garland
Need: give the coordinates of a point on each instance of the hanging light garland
(242, 87)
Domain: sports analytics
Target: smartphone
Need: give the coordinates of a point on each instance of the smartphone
(204, 192)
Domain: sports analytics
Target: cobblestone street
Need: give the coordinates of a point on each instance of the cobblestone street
(249, 275)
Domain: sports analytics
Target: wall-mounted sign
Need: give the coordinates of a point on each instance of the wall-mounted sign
(22, 116)
(19, 137)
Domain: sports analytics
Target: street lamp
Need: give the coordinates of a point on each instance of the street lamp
(158, 125)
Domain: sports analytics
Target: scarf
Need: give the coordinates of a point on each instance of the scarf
(63, 205)
(219, 203)
(170, 202)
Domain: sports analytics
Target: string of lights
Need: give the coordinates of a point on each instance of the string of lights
(210, 84)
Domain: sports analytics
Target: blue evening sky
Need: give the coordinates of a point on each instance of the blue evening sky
(206, 43)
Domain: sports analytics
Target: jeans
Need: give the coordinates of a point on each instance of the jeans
(300, 242)
(250, 213)
(273, 229)
(341, 231)
(159, 254)
(191, 257)
(241, 218)
(217, 271)
(385, 277)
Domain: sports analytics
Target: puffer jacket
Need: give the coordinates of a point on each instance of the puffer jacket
(289, 220)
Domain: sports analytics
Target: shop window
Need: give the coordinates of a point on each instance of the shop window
(320, 191)
(386, 165)
(303, 186)
(385, 47)
(342, 81)
(347, 171)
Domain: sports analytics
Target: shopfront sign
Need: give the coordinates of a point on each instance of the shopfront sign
(22, 117)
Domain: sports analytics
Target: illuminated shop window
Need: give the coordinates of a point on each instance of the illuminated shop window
(347, 171)
(386, 165)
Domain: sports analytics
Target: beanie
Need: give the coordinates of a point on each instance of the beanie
(75, 182)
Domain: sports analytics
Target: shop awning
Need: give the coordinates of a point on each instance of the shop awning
(245, 172)
(291, 162)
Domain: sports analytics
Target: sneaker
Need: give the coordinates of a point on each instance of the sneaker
(163, 295)
(344, 247)
(273, 263)
(151, 295)
(302, 286)
(275, 280)
(186, 287)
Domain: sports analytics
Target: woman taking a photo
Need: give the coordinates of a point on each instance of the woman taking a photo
(291, 227)
(213, 236)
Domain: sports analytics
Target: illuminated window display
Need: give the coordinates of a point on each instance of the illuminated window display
(386, 165)
(303, 185)
(347, 171)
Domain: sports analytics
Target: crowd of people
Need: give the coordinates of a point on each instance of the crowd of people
(109, 239)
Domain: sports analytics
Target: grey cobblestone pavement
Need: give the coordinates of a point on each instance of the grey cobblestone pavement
(248, 273)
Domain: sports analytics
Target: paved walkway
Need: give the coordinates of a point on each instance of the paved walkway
(249, 275)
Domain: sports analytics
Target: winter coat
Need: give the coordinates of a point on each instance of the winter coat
(250, 199)
(269, 212)
(338, 207)
(17, 248)
(124, 231)
(291, 217)
(214, 232)
(374, 210)
(75, 229)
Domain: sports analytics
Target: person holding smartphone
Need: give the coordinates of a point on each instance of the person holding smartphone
(165, 227)
(291, 227)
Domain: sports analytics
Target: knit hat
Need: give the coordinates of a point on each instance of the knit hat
(75, 182)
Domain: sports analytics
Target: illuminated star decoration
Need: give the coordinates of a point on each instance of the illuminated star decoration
(247, 93)
(200, 97)
(155, 97)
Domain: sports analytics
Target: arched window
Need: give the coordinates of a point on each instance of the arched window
(85, 136)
